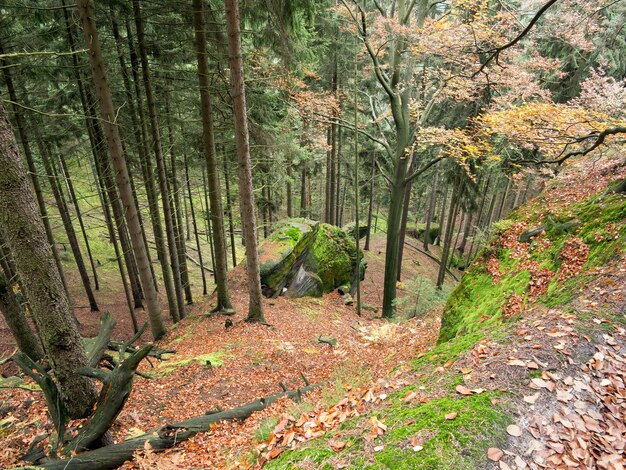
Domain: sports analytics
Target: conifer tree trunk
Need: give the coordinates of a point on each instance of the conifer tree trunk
(466, 231)
(97, 143)
(442, 216)
(207, 217)
(246, 195)
(107, 110)
(177, 216)
(53, 179)
(368, 234)
(70, 188)
(160, 162)
(32, 169)
(194, 224)
(503, 201)
(303, 198)
(26, 239)
(220, 267)
(229, 209)
(16, 319)
(454, 204)
(289, 191)
(338, 203)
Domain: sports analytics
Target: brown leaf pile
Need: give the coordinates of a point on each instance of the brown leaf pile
(573, 255)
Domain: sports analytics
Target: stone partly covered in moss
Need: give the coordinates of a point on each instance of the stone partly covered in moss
(350, 229)
(420, 229)
(333, 257)
(308, 259)
(282, 250)
(305, 284)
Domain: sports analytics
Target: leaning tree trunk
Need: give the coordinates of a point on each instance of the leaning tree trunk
(246, 195)
(447, 239)
(158, 153)
(107, 110)
(207, 217)
(220, 267)
(16, 320)
(32, 170)
(26, 238)
(403, 222)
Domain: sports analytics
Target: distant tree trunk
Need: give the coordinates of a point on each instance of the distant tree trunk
(529, 180)
(492, 204)
(207, 218)
(179, 313)
(503, 201)
(74, 199)
(246, 195)
(177, 216)
(289, 191)
(195, 225)
(329, 145)
(303, 199)
(16, 320)
(229, 210)
(431, 211)
(32, 169)
(53, 179)
(466, 231)
(220, 267)
(26, 239)
(403, 221)
(338, 206)
(97, 143)
(368, 234)
(456, 195)
(444, 203)
(265, 208)
(107, 110)
(151, 191)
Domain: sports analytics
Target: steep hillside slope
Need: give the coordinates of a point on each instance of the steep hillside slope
(530, 367)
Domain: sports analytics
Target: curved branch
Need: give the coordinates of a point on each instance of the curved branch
(414, 175)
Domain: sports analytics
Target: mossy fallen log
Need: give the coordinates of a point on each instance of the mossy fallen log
(112, 456)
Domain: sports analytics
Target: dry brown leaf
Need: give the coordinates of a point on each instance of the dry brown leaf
(494, 454)
(450, 416)
(514, 430)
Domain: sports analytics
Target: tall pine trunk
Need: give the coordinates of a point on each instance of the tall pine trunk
(220, 267)
(160, 162)
(194, 224)
(107, 111)
(246, 195)
(25, 236)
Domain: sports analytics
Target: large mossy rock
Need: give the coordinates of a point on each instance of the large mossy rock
(420, 229)
(307, 259)
(281, 252)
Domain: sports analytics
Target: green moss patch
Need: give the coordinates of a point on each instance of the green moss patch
(214, 359)
(332, 256)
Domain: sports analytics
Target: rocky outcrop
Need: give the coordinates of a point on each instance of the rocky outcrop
(305, 258)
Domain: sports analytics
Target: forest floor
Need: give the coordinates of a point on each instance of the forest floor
(217, 367)
(529, 372)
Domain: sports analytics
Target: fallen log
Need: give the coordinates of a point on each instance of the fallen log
(112, 456)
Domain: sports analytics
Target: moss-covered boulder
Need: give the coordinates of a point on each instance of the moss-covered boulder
(420, 229)
(307, 259)
(333, 257)
(350, 229)
(281, 252)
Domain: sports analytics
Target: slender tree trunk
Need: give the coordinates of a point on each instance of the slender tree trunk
(207, 218)
(26, 238)
(368, 234)
(357, 232)
(445, 252)
(74, 199)
(32, 169)
(338, 202)
(195, 225)
(403, 222)
(220, 267)
(107, 110)
(431, 210)
(67, 224)
(160, 162)
(303, 198)
(442, 216)
(466, 231)
(289, 191)
(97, 143)
(329, 144)
(246, 195)
(503, 201)
(177, 216)
(102, 193)
(229, 210)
